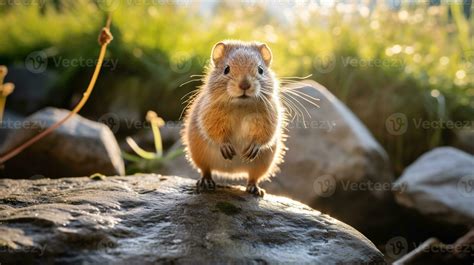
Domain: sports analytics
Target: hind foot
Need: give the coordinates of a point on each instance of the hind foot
(255, 190)
(205, 184)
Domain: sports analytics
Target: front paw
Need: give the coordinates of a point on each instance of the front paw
(251, 152)
(227, 151)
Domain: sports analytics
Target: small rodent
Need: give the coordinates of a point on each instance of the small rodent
(234, 125)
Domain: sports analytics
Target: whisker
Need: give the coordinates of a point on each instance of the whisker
(304, 94)
(303, 98)
(295, 77)
(191, 92)
(297, 101)
(298, 112)
(189, 100)
(190, 81)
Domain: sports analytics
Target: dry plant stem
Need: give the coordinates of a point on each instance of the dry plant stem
(2, 107)
(104, 39)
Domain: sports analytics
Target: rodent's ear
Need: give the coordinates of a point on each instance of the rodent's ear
(266, 54)
(217, 52)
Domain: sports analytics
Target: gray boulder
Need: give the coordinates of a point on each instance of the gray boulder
(327, 151)
(152, 219)
(80, 147)
(440, 184)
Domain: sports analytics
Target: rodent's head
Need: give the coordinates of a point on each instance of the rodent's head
(241, 71)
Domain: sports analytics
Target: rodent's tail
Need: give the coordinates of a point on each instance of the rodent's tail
(297, 94)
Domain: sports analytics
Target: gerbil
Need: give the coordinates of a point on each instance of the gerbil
(235, 123)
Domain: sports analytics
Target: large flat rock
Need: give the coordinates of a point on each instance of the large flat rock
(152, 219)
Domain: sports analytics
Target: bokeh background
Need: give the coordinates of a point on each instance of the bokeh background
(379, 57)
(385, 60)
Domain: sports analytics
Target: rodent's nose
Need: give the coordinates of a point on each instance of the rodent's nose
(244, 84)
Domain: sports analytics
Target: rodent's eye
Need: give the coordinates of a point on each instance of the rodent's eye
(260, 70)
(226, 69)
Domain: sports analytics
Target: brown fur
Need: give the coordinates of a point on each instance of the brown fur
(217, 116)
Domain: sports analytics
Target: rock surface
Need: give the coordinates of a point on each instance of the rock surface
(153, 219)
(440, 184)
(79, 147)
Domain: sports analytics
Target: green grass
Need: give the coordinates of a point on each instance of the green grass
(159, 47)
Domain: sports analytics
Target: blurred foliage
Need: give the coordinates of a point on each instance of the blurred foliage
(417, 60)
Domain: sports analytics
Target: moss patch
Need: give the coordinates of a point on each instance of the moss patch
(228, 208)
